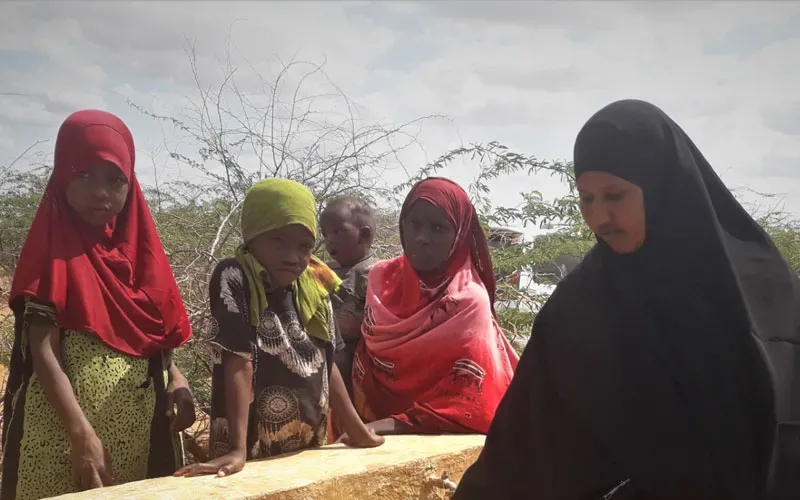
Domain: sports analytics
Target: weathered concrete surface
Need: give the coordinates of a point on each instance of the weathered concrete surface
(404, 468)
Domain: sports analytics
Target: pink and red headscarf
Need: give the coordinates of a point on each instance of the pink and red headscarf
(401, 290)
(437, 362)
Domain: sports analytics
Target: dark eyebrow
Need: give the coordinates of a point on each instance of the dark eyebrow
(442, 221)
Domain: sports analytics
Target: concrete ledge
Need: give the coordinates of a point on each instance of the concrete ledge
(404, 468)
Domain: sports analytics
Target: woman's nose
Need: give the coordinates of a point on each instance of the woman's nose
(422, 237)
(600, 216)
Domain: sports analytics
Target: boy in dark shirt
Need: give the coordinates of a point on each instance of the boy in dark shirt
(348, 227)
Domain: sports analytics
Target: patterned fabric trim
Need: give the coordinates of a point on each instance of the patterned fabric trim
(33, 308)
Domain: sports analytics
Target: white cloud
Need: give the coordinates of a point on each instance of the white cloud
(527, 74)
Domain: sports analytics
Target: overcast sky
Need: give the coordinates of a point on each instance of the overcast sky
(527, 74)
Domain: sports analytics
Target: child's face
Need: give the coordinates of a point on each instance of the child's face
(98, 193)
(428, 237)
(284, 253)
(345, 241)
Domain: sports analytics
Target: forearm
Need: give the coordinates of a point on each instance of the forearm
(59, 393)
(343, 407)
(238, 387)
(46, 354)
(173, 372)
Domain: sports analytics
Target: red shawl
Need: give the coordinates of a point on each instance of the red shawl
(436, 362)
(117, 283)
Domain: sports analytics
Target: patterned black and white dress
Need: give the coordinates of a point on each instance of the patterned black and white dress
(289, 409)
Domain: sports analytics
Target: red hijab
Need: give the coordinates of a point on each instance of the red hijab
(115, 283)
(432, 354)
(402, 292)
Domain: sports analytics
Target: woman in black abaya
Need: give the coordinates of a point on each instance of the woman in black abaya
(664, 366)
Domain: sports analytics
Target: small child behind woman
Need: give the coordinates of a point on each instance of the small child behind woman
(348, 227)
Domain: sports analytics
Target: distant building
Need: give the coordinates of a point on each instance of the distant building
(553, 272)
(503, 237)
(499, 238)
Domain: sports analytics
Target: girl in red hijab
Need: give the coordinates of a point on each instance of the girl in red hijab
(433, 358)
(92, 391)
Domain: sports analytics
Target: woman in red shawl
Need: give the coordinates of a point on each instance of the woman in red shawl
(92, 391)
(433, 358)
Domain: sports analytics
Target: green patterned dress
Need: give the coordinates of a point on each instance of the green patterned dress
(118, 394)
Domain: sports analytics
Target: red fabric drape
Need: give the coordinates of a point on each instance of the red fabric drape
(437, 362)
(115, 283)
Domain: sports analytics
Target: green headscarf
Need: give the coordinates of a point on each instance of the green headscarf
(272, 204)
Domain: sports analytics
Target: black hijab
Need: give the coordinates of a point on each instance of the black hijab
(661, 374)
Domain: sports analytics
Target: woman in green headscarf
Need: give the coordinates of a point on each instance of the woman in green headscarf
(274, 337)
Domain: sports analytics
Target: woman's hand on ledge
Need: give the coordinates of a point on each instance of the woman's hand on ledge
(225, 465)
(356, 433)
(377, 429)
(368, 440)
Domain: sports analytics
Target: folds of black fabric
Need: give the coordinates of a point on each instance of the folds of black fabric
(668, 373)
